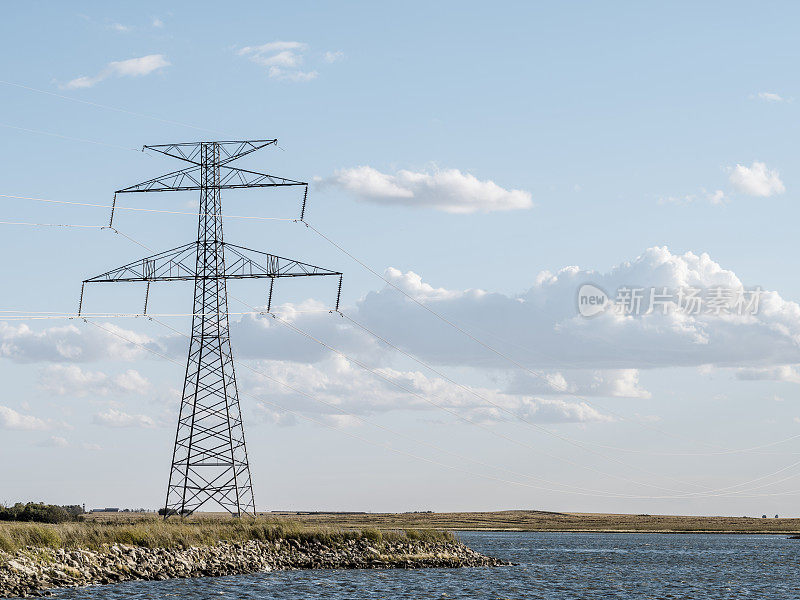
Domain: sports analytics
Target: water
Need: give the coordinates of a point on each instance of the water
(554, 566)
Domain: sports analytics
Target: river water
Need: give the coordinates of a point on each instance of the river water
(551, 566)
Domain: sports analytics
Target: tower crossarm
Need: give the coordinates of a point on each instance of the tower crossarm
(229, 150)
(241, 263)
(189, 179)
(178, 264)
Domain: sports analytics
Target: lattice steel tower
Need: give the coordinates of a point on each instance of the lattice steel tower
(209, 460)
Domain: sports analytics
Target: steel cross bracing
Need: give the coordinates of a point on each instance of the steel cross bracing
(172, 265)
(209, 461)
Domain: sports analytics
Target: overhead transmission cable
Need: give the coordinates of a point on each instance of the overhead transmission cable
(106, 106)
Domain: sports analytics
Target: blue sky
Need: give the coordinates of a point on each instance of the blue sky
(493, 159)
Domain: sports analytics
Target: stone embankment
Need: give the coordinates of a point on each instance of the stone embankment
(32, 571)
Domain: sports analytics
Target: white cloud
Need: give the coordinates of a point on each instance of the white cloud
(332, 57)
(771, 97)
(541, 328)
(289, 75)
(157, 23)
(11, 419)
(116, 418)
(54, 441)
(133, 67)
(120, 27)
(69, 343)
(756, 180)
(282, 59)
(72, 380)
(448, 190)
(717, 198)
(90, 446)
(619, 383)
(250, 332)
(344, 385)
(788, 373)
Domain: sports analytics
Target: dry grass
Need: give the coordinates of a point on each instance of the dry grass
(531, 520)
(153, 532)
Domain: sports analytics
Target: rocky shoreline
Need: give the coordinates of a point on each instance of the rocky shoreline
(33, 571)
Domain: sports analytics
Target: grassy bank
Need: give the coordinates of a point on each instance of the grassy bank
(154, 532)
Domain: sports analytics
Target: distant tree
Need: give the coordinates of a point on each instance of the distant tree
(40, 512)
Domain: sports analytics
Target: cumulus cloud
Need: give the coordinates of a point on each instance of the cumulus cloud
(133, 67)
(71, 380)
(541, 328)
(116, 418)
(756, 180)
(11, 419)
(448, 190)
(69, 343)
(282, 59)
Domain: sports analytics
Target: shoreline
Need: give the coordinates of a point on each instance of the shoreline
(35, 570)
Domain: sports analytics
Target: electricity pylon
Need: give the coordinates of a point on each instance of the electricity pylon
(209, 459)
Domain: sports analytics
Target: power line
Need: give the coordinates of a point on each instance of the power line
(67, 137)
(137, 209)
(106, 107)
(51, 224)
